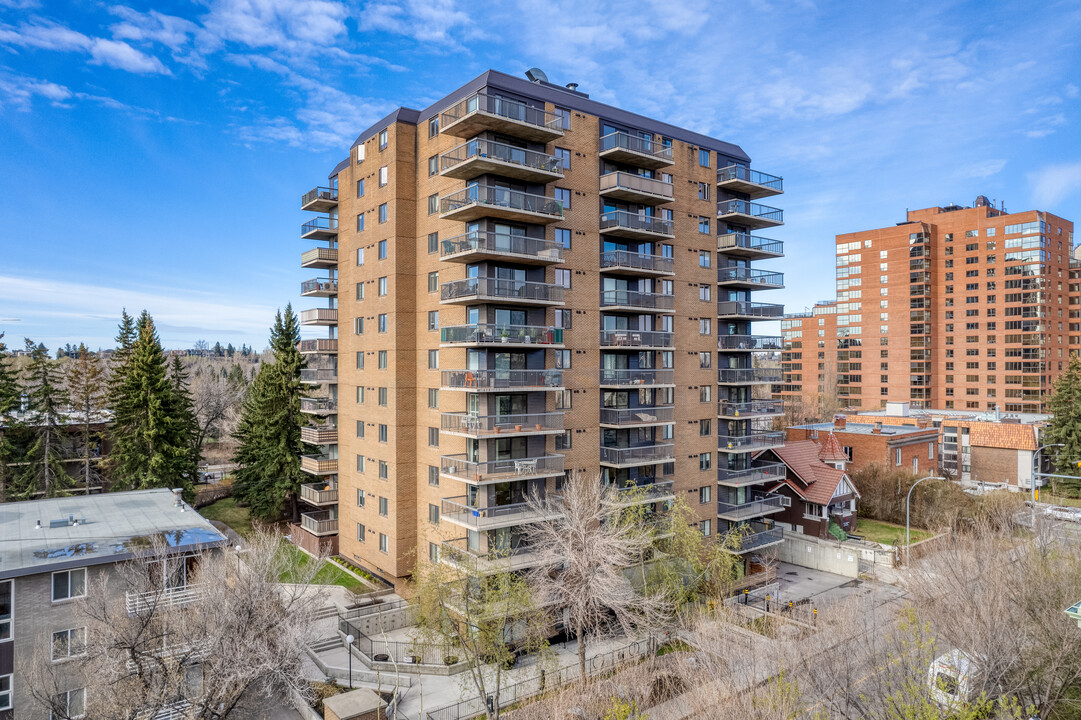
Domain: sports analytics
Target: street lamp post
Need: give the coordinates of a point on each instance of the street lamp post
(349, 651)
(1035, 472)
(237, 548)
(908, 508)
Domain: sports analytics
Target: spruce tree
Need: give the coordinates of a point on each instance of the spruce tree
(9, 420)
(41, 470)
(184, 408)
(1065, 427)
(87, 391)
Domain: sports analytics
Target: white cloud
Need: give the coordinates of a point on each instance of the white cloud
(983, 169)
(122, 56)
(18, 91)
(1054, 183)
(437, 22)
(47, 35)
(297, 25)
(1046, 126)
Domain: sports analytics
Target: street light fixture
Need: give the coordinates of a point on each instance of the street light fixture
(349, 651)
(237, 548)
(1035, 472)
(908, 508)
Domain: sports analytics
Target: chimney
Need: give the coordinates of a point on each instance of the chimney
(877, 429)
(922, 422)
(572, 87)
(178, 500)
(839, 422)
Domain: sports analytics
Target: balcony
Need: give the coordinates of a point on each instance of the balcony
(459, 467)
(642, 378)
(765, 472)
(753, 536)
(319, 287)
(635, 188)
(753, 440)
(647, 493)
(319, 464)
(478, 245)
(750, 343)
(642, 455)
(481, 157)
(749, 214)
(754, 184)
(317, 346)
(747, 310)
(319, 434)
(319, 494)
(750, 409)
(318, 406)
(479, 289)
(483, 426)
(320, 522)
(319, 199)
(749, 278)
(319, 316)
(322, 258)
(324, 227)
(482, 112)
(620, 223)
(625, 262)
(637, 339)
(319, 376)
(633, 150)
(480, 201)
(483, 334)
(457, 552)
(748, 376)
(458, 511)
(757, 507)
(752, 247)
(634, 301)
(636, 417)
(502, 380)
(138, 603)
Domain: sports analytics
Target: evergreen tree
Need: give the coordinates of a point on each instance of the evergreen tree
(230, 350)
(1065, 427)
(269, 430)
(41, 470)
(10, 395)
(153, 439)
(184, 407)
(87, 389)
(218, 351)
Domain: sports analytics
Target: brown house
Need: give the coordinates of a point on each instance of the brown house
(816, 488)
(873, 443)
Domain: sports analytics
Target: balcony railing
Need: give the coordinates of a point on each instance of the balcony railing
(748, 375)
(643, 416)
(642, 455)
(635, 188)
(319, 258)
(749, 342)
(476, 157)
(165, 598)
(488, 380)
(481, 288)
(636, 338)
(750, 277)
(628, 224)
(754, 440)
(477, 201)
(482, 111)
(319, 199)
(457, 510)
(760, 505)
(754, 246)
(483, 425)
(756, 537)
(322, 522)
(318, 406)
(749, 213)
(319, 494)
(645, 493)
(636, 299)
(319, 434)
(766, 472)
(636, 150)
(319, 287)
(477, 244)
(458, 552)
(315, 376)
(752, 182)
(752, 408)
(319, 316)
(492, 334)
(745, 308)
(318, 345)
(636, 377)
(322, 227)
(614, 260)
(319, 464)
(462, 468)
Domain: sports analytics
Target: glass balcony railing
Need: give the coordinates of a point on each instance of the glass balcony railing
(315, 376)
(644, 493)
(748, 375)
(318, 406)
(756, 507)
(319, 199)
(628, 377)
(481, 288)
(739, 477)
(745, 308)
(635, 299)
(749, 276)
(750, 408)
(487, 380)
(635, 338)
(743, 179)
(484, 243)
(754, 536)
(753, 440)
(635, 149)
(496, 199)
(749, 342)
(482, 110)
(525, 162)
(478, 425)
(633, 261)
(626, 417)
(750, 213)
(324, 225)
(460, 467)
(638, 455)
(635, 225)
(458, 510)
(492, 334)
(739, 243)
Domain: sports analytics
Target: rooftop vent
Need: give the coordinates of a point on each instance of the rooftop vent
(573, 87)
(536, 75)
(982, 201)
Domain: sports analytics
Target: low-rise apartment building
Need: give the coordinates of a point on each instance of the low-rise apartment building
(914, 448)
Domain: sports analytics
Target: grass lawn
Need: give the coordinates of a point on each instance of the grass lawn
(226, 511)
(1056, 500)
(888, 533)
(329, 573)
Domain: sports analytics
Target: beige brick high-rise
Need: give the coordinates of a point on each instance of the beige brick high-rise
(525, 283)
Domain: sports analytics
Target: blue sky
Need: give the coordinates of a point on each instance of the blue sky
(155, 157)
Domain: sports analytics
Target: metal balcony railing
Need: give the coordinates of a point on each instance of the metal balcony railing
(636, 299)
(654, 150)
(323, 222)
(319, 406)
(519, 112)
(470, 424)
(461, 467)
(502, 379)
(635, 186)
(318, 345)
(494, 243)
(756, 537)
(747, 244)
(319, 464)
(319, 434)
(499, 197)
(750, 276)
(749, 342)
(748, 375)
(458, 510)
(319, 316)
(636, 377)
(644, 493)
(318, 257)
(747, 175)
(750, 209)
(754, 440)
(165, 598)
(319, 286)
(319, 494)
(322, 522)
(321, 196)
(751, 408)
(653, 415)
(480, 288)
(458, 552)
(746, 308)
(319, 375)
(625, 259)
(490, 333)
(623, 220)
(756, 507)
(642, 454)
(738, 477)
(635, 338)
(502, 152)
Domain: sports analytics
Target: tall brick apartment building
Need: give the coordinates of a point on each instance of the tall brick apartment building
(524, 283)
(957, 307)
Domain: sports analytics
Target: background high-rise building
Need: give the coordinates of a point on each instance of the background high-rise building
(957, 307)
(524, 283)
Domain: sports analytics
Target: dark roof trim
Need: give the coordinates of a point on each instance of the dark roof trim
(108, 559)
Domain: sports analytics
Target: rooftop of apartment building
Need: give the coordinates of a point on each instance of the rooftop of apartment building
(58, 533)
(904, 411)
(867, 428)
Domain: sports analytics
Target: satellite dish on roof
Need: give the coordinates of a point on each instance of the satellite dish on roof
(536, 75)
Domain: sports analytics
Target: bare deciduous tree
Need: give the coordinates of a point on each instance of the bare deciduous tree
(216, 401)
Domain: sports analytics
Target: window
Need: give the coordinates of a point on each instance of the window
(382, 248)
(704, 326)
(360, 222)
(563, 237)
(382, 319)
(383, 433)
(705, 393)
(433, 514)
(433, 359)
(384, 543)
(897, 457)
(563, 400)
(360, 428)
(563, 359)
(361, 497)
(382, 359)
(433, 282)
(705, 461)
(433, 437)
(433, 126)
(563, 195)
(433, 242)
(383, 176)
(433, 165)
(930, 451)
(433, 552)
(5, 692)
(705, 428)
(360, 394)
(360, 463)
(69, 705)
(382, 139)
(706, 526)
(704, 293)
(433, 475)
(704, 258)
(563, 440)
(360, 256)
(565, 155)
(383, 285)
(360, 359)
(360, 291)
(69, 644)
(6, 594)
(705, 494)
(360, 188)
(433, 398)
(705, 360)
(703, 157)
(433, 204)
(562, 318)
(69, 584)
(703, 226)
(383, 507)
(361, 532)
(563, 278)
(433, 319)
(383, 213)
(565, 116)
(382, 397)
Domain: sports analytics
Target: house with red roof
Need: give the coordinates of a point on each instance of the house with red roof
(817, 491)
